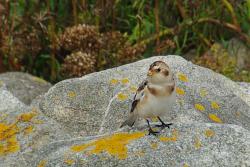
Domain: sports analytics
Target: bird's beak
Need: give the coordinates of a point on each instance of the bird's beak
(150, 73)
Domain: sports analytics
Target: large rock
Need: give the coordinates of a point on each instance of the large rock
(99, 102)
(24, 86)
(46, 133)
(197, 144)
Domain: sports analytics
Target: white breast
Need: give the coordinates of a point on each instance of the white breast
(157, 106)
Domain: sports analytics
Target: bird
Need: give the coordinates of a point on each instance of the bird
(154, 97)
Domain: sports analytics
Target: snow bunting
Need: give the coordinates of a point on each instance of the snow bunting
(154, 97)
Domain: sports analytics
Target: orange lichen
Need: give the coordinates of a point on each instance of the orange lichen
(199, 107)
(115, 144)
(8, 139)
(154, 145)
(179, 91)
(122, 96)
(28, 130)
(133, 89)
(125, 81)
(71, 94)
(69, 161)
(114, 81)
(215, 118)
(42, 163)
(174, 137)
(203, 92)
(27, 117)
(215, 105)
(182, 77)
(197, 143)
(209, 133)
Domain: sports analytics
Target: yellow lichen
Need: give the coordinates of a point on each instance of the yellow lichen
(182, 77)
(179, 91)
(115, 144)
(209, 133)
(172, 138)
(197, 143)
(203, 92)
(133, 89)
(114, 81)
(154, 145)
(214, 118)
(28, 130)
(1, 83)
(215, 105)
(139, 153)
(26, 117)
(71, 94)
(125, 81)
(154, 119)
(69, 161)
(42, 163)
(122, 96)
(199, 107)
(40, 80)
(8, 139)
(37, 121)
(237, 113)
(185, 165)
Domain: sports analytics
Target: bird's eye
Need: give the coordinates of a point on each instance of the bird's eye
(158, 70)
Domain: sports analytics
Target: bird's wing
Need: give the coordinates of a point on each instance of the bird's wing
(139, 94)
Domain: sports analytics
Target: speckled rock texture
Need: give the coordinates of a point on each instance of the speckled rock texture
(99, 102)
(23, 129)
(24, 86)
(81, 118)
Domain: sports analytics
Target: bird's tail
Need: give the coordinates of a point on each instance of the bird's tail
(131, 120)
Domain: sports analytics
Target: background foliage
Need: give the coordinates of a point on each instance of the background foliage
(57, 39)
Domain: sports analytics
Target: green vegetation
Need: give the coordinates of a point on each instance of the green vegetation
(57, 39)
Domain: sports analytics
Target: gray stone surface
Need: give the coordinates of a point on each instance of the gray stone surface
(245, 86)
(99, 102)
(198, 144)
(24, 86)
(76, 123)
(23, 129)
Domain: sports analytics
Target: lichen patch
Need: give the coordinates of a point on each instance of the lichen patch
(173, 138)
(115, 145)
(214, 118)
(180, 91)
(199, 107)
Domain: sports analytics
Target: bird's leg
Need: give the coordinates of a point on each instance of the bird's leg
(150, 130)
(163, 125)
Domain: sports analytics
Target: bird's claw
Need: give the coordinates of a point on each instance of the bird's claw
(151, 132)
(164, 125)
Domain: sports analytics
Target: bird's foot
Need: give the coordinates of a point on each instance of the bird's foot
(163, 125)
(151, 132)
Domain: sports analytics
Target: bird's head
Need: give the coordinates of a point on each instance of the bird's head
(159, 72)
